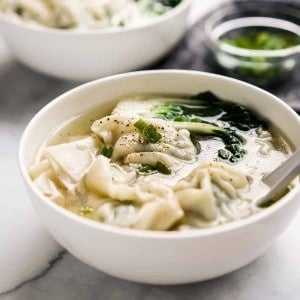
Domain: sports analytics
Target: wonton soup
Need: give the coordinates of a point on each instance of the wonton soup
(160, 162)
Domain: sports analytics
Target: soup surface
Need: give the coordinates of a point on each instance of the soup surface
(160, 162)
(66, 14)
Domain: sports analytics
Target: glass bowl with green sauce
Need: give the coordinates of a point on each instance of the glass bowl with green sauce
(256, 41)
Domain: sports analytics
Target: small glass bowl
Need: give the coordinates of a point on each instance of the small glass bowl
(261, 67)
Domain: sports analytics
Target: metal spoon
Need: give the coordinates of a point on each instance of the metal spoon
(280, 178)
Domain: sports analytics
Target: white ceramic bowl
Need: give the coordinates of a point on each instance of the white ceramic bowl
(91, 54)
(160, 257)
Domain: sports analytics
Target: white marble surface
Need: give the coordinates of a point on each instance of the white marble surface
(34, 266)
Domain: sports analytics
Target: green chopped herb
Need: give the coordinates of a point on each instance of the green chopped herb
(158, 167)
(107, 151)
(122, 23)
(162, 168)
(147, 169)
(262, 68)
(290, 187)
(262, 40)
(86, 210)
(19, 10)
(148, 131)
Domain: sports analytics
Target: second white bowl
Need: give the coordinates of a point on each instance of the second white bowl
(91, 54)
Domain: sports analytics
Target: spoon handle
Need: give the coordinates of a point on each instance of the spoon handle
(281, 177)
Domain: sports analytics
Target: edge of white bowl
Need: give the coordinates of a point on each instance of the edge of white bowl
(144, 233)
(185, 4)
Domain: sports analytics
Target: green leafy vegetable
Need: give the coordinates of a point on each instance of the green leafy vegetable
(168, 111)
(208, 105)
(148, 131)
(170, 3)
(206, 97)
(234, 114)
(189, 113)
(225, 154)
(107, 151)
(147, 169)
(233, 142)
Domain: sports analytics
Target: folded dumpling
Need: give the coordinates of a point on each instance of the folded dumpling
(70, 161)
(49, 188)
(112, 181)
(158, 215)
(207, 187)
(154, 204)
(30, 10)
(120, 132)
(154, 215)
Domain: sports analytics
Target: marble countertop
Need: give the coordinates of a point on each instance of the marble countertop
(34, 266)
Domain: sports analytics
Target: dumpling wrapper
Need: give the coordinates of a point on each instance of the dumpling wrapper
(158, 215)
(70, 161)
(159, 206)
(119, 131)
(49, 188)
(197, 191)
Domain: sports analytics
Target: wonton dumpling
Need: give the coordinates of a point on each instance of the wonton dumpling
(159, 210)
(38, 168)
(110, 128)
(158, 215)
(71, 160)
(101, 179)
(120, 132)
(33, 10)
(65, 15)
(105, 179)
(119, 215)
(127, 144)
(154, 215)
(150, 159)
(77, 13)
(207, 186)
(48, 188)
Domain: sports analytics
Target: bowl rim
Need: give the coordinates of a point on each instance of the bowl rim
(19, 23)
(130, 232)
(262, 21)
